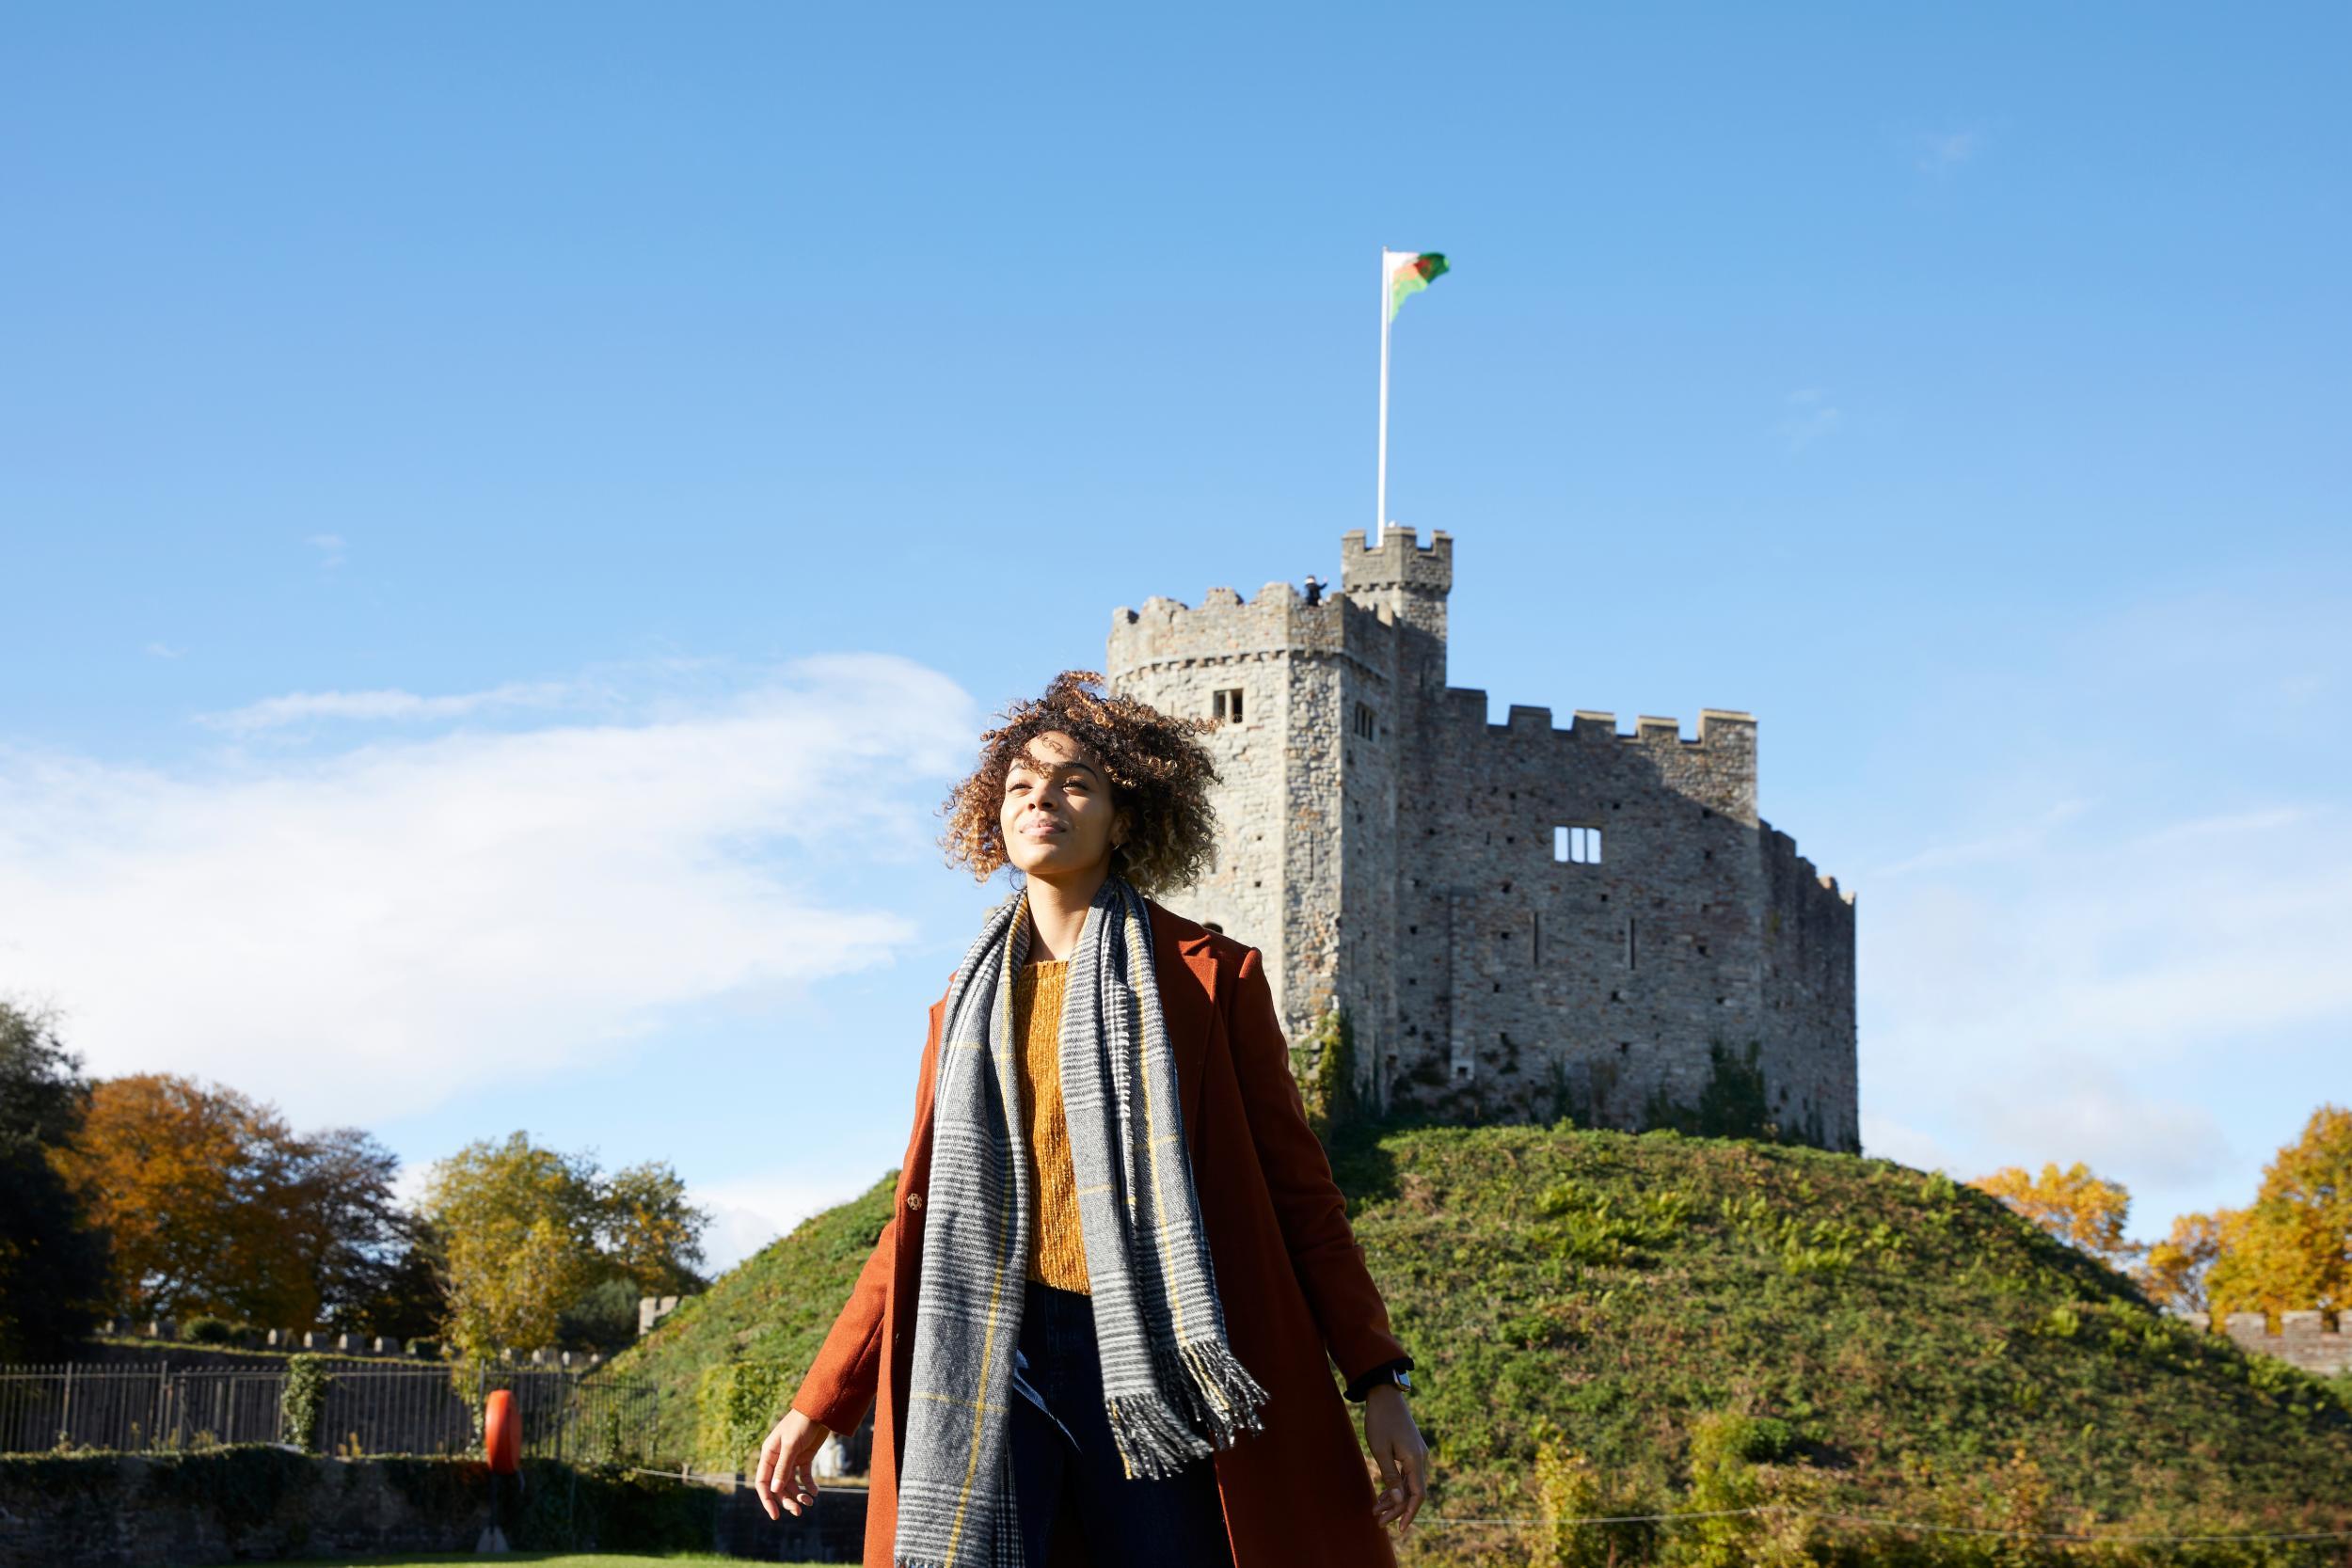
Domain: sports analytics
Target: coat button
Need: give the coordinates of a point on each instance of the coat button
(914, 1201)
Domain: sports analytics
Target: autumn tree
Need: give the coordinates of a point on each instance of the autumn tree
(2292, 1249)
(527, 1233)
(171, 1167)
(2177, 1268)
(217, 1206)
(52, 1263)
(2084, 1211)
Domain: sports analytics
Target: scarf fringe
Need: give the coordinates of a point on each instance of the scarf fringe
(1218, 1396)
(1168, 1403)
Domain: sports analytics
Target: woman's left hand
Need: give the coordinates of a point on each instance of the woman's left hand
(1397, 1447)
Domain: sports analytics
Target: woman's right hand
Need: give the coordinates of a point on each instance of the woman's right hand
(784, 1477)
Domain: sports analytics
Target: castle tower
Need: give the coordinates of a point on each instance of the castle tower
(1517, 919)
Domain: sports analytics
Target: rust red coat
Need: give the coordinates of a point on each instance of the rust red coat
(1289, 1270)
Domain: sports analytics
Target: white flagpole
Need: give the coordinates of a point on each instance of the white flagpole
(1380, 523)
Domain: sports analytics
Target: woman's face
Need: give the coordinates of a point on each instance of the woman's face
(1057, 818)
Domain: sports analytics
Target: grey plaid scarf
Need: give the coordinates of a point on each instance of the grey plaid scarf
(1170, 1383)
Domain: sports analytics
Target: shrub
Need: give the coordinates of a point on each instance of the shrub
(736, 1403)
(1569, 1495)
(209, 1330)
(303, 1401)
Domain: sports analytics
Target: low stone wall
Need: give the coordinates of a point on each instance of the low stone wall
(261, 1503)
(2303, 1340)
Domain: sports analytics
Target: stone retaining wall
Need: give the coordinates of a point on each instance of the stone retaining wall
(261, 1504)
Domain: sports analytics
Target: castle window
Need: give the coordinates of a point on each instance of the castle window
(1367, 723)
(1225, 704)
(1581, 846)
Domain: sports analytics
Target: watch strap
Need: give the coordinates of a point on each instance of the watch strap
(1385, 1373)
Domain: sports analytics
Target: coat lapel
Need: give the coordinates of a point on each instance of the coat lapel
(1185, 963)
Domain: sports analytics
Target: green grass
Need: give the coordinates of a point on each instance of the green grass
(728, 1359)
(562, 1560)
(1908, 1346)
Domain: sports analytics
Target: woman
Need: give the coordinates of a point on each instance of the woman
(1117, 1262)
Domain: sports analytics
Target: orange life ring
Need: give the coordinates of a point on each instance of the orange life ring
(502, 1433)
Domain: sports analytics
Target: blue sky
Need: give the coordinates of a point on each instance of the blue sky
(513, 516)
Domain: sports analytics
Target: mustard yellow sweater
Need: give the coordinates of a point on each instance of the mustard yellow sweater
(1056, 1247)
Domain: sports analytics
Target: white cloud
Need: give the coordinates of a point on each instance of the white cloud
(1889, 1139)
(2006, 845)
(2108, 922)
(371, 930)
(2099, 996)
(165, 650)
(2131, 948)
(299, 707)
(1807, 417)
(2077, 1109)
(749, 1213)
(1947, 149)
(331, 548)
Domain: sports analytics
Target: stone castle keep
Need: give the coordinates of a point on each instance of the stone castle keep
(1516, 920)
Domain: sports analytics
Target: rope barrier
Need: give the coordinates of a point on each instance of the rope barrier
(1870, 1520)
(1919, 1525)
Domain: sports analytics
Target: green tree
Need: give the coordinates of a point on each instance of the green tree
(52, 1263)
(651, 1232)
(518, 1240)
(407, 1298)
(350, 1238)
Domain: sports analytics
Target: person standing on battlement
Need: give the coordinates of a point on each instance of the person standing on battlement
(1314, 589)
(1101, 1319)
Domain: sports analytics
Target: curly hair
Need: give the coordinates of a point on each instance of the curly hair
(1158, 770)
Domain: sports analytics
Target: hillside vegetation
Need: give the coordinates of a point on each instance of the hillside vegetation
(727, 1361)
(1608, 1323)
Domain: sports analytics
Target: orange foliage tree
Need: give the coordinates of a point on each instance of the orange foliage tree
(2082, 1210)
(2292, 1249)
(2179, 1267)
(217, 1206)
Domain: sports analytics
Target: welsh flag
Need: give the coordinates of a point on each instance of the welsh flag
(1410, 272)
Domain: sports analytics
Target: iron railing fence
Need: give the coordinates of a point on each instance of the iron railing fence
(435, 1409)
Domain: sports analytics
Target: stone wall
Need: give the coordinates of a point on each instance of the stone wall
(2303, 1339)
(261, 1504)
(1393, 853)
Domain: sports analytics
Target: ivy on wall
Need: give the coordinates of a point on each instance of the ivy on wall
(1325, 1066)
(303, 1402)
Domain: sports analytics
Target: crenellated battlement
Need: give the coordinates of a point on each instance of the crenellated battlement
(1717, 726)
(1399, 561)
(1508, 912)
(2303, 1339)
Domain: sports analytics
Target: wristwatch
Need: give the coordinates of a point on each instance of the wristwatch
(1398, 1372)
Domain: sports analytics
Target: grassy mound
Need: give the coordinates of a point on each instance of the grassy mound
(1611, 1323)
(1591, 1307)
(727, 1361)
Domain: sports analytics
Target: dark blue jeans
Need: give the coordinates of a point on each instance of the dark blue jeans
(1063, 1454)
